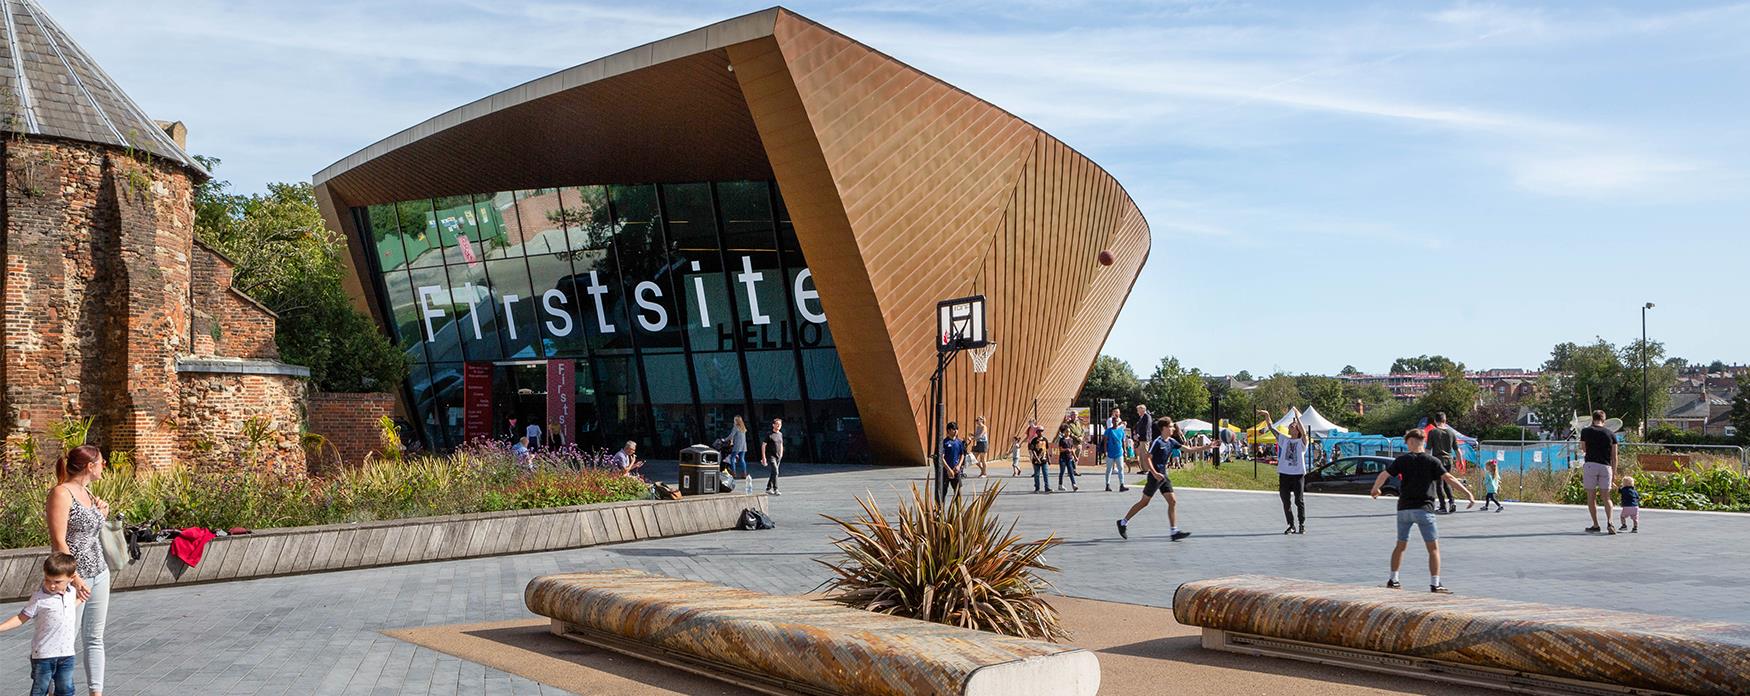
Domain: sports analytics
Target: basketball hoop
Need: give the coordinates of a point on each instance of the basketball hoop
(981, 357)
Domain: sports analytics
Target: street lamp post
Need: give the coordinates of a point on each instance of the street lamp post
(1645, 357)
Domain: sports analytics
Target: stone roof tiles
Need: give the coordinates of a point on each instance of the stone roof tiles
(49, 86)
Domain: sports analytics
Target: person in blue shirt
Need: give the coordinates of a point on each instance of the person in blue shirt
(953, 459)
(1115, 437)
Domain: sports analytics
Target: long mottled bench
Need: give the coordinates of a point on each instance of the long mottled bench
(779, 644)
(1476, 640)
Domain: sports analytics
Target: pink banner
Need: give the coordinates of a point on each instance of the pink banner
(561, 393)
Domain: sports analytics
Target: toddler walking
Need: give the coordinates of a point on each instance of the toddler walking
(1015, 455)
(55, 606)
(1631, 504)
(1491, 484)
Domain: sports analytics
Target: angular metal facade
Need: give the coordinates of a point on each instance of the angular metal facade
(904, 190)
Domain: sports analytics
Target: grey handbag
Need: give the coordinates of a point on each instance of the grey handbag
(113, 538)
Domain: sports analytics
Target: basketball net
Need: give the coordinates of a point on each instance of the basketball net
(981, 357)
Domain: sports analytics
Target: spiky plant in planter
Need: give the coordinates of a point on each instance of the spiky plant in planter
(957, 565)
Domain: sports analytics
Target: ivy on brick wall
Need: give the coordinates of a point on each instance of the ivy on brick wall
(289, 261)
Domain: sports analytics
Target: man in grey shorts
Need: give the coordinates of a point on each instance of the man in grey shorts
(1598, 445)
(1419, 473)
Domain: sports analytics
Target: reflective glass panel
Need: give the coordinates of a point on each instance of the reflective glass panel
(515, 307)
(543, 220)
(385, 234)
(419, 233)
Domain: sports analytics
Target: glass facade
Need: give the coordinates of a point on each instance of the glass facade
(682, 306)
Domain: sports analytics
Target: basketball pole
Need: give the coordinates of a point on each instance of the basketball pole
(938, 420)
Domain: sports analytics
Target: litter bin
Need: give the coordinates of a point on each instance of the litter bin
(700, 468)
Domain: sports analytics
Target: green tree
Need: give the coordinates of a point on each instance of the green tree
(1173, 391)
(1244, 376)
(1426, 363)
(1235, 404)
(288, 260)
(1361, 398)
(1391, 418)
(1349, 370)
(1581, 378)
(1740, 417)
(1323, 393)
(1716, 366)
(1276, 394)
(1111, 378)
(1453, 394)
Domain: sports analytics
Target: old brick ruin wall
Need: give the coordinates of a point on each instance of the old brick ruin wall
(102, 284)
(350, 425)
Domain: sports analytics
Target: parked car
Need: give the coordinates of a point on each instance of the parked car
(1351, 475)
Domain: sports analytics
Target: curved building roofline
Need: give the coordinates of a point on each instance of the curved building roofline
(902, 189)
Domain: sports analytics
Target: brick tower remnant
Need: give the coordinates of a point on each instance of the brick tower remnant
(113, 311)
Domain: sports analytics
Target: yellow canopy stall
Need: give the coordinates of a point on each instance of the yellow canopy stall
(1260, 434)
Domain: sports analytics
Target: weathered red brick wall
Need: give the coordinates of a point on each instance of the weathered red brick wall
(349, 422)
(249, 420)
(226, 321)
(101, 270)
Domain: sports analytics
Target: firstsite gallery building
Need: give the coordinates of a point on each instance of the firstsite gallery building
(754, 218)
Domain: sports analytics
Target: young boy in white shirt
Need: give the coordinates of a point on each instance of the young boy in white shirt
(55, 606)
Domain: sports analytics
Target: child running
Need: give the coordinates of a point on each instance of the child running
(1492, 484)
(1631, 504)
(1160, 452)
(55, 606)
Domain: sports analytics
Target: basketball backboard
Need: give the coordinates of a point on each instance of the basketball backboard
(960, 324)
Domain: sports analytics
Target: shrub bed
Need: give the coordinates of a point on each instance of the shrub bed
(480, 477)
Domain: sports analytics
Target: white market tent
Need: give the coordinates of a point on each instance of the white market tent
(1318, 424)
(1282, 423)
(1194, 425)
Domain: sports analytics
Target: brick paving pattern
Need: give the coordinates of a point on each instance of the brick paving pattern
(319, 633)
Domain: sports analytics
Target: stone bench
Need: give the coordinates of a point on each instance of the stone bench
(779, 644)
(1474, 640)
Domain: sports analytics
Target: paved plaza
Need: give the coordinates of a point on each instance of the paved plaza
(320, 633)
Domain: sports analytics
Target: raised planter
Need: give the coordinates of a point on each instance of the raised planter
(295, 550)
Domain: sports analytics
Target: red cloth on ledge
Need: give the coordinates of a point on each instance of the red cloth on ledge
(190, 545)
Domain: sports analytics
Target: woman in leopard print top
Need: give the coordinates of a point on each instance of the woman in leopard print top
(75, 521)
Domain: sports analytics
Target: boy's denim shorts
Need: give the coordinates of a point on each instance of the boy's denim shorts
(1419, 518)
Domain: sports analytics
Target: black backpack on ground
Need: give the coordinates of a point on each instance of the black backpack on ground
(754, 519)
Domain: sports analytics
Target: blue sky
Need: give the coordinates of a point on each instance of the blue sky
(1328, 183)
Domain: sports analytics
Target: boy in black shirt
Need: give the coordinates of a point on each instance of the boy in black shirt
(1420, 473)
(1155, 465)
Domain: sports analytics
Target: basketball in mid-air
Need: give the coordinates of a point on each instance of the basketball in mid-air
(1106, 258)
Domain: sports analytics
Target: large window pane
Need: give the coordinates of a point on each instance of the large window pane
(493, 234)
(408, 330)
(456, 221)
(671, 403)
(619, 400)
(601, 302)
(419, 233)
(543, 221)
(747, 215)
(564, 308)
(646, 276)
(515, 308)
(436, 308)
(385, 233)
(807, 315)
(477, 323)
(757, 283)
(718, 376)
(504, 206)
(586, 219)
